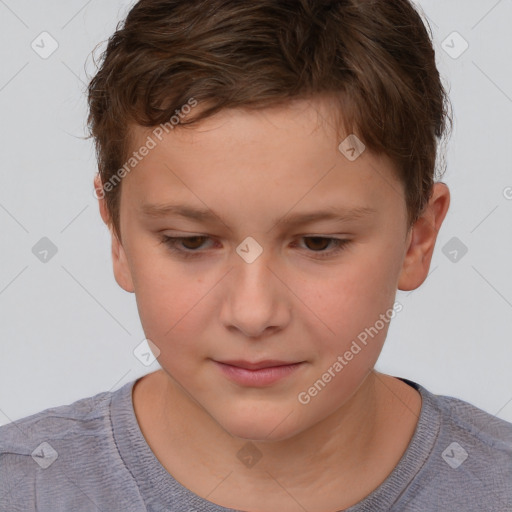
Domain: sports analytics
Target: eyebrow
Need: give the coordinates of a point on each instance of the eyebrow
(340, 214)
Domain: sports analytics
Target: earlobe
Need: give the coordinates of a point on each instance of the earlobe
(422, 239)
(100, 194)
(122, 272)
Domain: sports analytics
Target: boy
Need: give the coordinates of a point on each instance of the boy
(295, 143)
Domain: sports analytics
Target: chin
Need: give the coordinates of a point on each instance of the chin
(258, 433)
(259, 425)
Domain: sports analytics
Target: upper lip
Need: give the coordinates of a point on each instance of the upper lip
(261, 364)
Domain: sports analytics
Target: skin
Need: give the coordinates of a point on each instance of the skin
(250, 168)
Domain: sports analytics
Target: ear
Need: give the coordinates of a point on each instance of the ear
(421, 239)
(122, 271)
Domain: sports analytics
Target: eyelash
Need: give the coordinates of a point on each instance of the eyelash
(171, 243)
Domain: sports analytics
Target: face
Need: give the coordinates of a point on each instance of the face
(254, 282)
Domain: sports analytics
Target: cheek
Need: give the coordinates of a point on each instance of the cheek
(352, 310)
(173, 316)
(353, 295)
(177, 306)
(171, 300)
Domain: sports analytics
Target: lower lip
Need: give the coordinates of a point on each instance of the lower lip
(261, 377)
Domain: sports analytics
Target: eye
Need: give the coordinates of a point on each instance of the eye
(320, 241)
(187, 251)
(188, 246)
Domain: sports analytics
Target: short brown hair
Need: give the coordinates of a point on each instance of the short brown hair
(375, 56)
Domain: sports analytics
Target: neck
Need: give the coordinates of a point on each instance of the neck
(345, 456)
(341, 442)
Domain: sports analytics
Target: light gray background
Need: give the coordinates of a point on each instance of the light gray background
(68, 331)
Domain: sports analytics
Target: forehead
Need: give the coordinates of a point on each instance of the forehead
(279, 156)
(298, 126)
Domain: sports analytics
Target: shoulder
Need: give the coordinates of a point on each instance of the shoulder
(55, 422)
(69, 447)
(492, 435)
(470, 464)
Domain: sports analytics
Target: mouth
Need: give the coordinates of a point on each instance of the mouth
(257, 374)
(246, 365)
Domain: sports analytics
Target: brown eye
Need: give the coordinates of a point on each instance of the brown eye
(192, 242)
(318, 246)
(319, 243)
(185, 247)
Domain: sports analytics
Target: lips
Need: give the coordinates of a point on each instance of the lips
(247, 365)
(260, 373)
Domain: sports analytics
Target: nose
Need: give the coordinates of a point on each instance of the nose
(256, 301)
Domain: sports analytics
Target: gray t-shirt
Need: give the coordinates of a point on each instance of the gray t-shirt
(91, 456)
